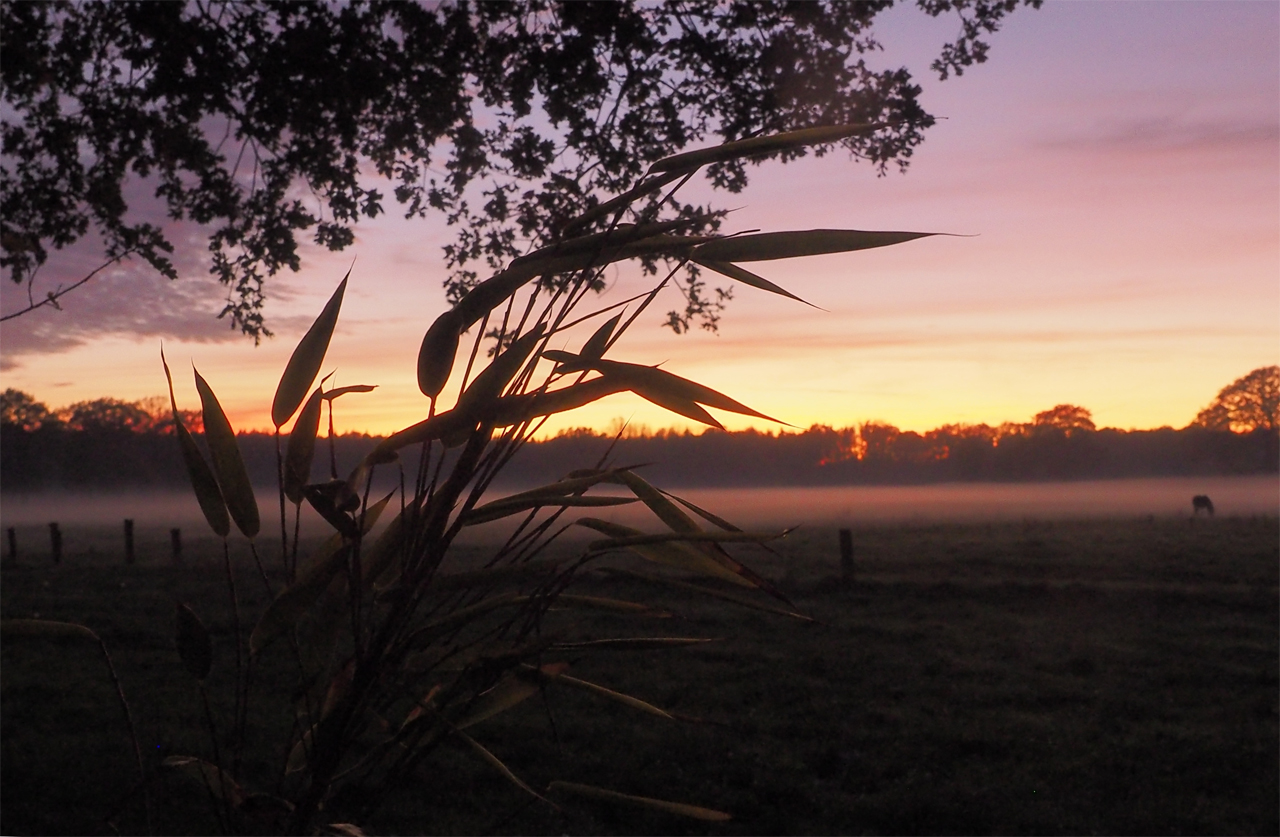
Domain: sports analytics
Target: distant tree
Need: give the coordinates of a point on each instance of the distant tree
(1065, 417)
(20, 410)
(1246, 404)
(263, 120)
(107, 414)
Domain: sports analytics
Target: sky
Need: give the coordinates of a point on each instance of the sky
(1112, 175)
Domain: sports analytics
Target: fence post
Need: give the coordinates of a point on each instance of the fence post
(55, 541)
(128, 541)
(846, 556)
(13, 545)
(175, 538)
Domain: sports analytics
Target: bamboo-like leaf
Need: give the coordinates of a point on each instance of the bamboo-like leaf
(302, 447)
(497, 764)
(608, 694)
(44, 628)
(756, 146)
(194, 647)
(203, 482)
(655, 379)
(713, 519)
(708, 591)
(338, 392)
(603, 603)
(464, 615)
(593, 349)
(495, 575)
(636, 643)
(438, 351)
(793, 244)
(669, 552)
(489, 384)
(304, 363)
(663, 509)
(502, 508)
(228, 464)
(288, 607)
(511, 690)
(300, 753)
(604, 795)
(218, 781)
(681, 406)
(344, 829)
(746, 277)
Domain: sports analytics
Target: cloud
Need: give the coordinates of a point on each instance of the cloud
(1169, 134)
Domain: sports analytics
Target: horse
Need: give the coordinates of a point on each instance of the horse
(1201, 501)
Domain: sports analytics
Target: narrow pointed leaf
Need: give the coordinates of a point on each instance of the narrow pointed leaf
(304, 363)
(669, 552)
(44, 628)
(654, 381)
(604, 795)
(194, 647)
(489, 384)
(708, 591)
(338, 392)
(223, 786)
(593, 349)
(497, 764)
(603, 603)
(228, 464)
(510, 691)
(638, 643)
(746, 277)
(681, 406)
(203, 483)
(438, 350)
(502, 508)
(793, 244)
(609, 694)
(756, 146)
(495, 575)
(302, 448)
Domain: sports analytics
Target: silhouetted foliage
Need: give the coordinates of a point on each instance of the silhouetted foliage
(1247, 404)
(510, 118)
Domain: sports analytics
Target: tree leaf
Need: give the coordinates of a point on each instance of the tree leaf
(756, 146)
(679, 808)
(748, 278)
(304, 363)
(194, 647)
(796, 243)
(203, 482)
(228, 464)
(302, 447)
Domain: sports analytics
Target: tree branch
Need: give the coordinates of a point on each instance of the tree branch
(52, 297)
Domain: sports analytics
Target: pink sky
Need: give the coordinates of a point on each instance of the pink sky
(1118, 166)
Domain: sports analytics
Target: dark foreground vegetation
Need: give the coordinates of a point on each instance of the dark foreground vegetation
(1117, 677)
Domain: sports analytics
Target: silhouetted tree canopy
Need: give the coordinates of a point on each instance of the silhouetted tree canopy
(20, 410)
(1066, 417)
(1246, 404)
(262, 121)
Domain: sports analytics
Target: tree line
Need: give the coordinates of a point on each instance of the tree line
(108, 442)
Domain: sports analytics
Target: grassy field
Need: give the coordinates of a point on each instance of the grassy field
(1115, 677)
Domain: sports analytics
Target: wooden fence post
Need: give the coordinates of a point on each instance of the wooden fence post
(846, 556)
(175, 538)
(13, 545)
(128, 541)
(55, 541)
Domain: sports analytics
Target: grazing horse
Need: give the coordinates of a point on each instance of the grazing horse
(1201, 501)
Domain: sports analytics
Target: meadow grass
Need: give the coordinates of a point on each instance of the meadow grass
(1107, 676)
